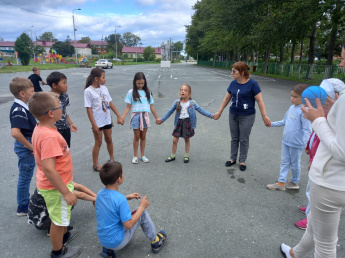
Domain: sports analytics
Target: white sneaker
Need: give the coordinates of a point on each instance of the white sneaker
(144, 159)
(292, 186)
(135, 160)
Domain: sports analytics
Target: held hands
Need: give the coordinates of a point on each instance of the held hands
(120, 120)
(144, 203)
(159, 121)
(311, 113)
(70, 198)
(217, 115)
(133, 196)
(266, 120)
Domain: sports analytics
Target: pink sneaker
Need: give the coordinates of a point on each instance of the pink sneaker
(302, 224)
(302, 209)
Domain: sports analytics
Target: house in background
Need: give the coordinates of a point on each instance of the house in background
(8, 47)
(101, 46)
(132, 52)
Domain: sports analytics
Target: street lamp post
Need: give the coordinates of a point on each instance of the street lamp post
(75, 40)
(116, 42)
(32, 40)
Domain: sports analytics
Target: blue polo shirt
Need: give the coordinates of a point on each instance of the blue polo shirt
(243, 97)
(20, 117)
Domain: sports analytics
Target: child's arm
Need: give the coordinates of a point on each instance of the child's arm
(119, 118)
(82, 188)
(153, 110)
(44, 83)
(225, 102)
(261, 104)
(54, 178)
(17, 134)
(73, 127)
(144, 203)
(95, 128)
(170, 111)
(306, 127)
(279, 123)
(202, 111)
(125, 112)
(133, 196)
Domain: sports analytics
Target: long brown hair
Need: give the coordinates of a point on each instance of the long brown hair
(95, 73)
(178, 107)
(135, 93)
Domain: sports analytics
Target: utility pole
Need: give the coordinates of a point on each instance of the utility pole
(32, 40)
(75, 40)
(116, 42)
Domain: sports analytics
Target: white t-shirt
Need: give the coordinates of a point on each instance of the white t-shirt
(184, 110)
(98, 99)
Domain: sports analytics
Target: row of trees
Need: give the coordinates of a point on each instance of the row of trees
(247, 30)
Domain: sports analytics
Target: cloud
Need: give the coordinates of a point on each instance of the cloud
(155, 24)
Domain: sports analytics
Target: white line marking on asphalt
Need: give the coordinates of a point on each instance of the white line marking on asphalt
(159, 76)
(171, 76)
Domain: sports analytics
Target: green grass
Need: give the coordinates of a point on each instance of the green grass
(28, 68)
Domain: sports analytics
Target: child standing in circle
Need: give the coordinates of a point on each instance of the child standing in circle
(140, 101)
(98, 103)
(185, 120)
(295, 137)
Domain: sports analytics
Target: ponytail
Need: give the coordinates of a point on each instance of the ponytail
(95, 73)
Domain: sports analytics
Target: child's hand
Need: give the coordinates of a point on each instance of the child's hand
(307, 152)
(120, 121)
(70, 198)
(95, 129)
(158, 121)
(144, 203)
(73, 127)
(216, 116)
(133, 196)
(267, 121)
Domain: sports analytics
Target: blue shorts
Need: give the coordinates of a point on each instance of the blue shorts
(135, 122)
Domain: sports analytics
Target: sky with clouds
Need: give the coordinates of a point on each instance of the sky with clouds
(153, 20)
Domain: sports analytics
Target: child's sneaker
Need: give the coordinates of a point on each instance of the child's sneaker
(158, 243)
(68, 252)
(135, 160)
(107, 253)
(144, 159)
(276, 186)
(302, 209)
(302, 224)
(291, 186)
(22, 211)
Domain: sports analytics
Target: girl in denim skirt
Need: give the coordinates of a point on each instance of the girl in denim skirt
(140, 101)
(185, 120)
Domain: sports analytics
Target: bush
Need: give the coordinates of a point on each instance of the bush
(158, 60)
(140, 59)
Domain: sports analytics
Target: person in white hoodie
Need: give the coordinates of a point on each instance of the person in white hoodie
(327, 175)
(295, 136)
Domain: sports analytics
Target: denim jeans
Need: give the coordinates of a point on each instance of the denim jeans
(291, 157)
(26, 165)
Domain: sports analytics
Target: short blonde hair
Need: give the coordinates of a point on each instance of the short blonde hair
(19, 84)
(35, 68)
(41, 102)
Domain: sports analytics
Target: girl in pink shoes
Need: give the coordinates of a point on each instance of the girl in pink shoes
(140, 102)
(185, 120)
(98, 104)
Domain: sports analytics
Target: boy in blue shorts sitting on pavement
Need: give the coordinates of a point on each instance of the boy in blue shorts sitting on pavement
(116, 224)
(22, 126)
(54, 171)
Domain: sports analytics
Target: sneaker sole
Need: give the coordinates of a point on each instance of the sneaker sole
(22, 214)
(275, 189)
(292, 188)
(300, 227)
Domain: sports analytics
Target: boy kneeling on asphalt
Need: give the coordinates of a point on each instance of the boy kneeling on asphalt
(116, 223)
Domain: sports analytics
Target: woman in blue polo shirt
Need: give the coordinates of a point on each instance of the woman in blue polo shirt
(242, 94)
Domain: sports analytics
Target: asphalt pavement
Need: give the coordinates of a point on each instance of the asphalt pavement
(206, 209)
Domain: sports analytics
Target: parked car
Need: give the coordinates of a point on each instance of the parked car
(104, 63)
(117, 59)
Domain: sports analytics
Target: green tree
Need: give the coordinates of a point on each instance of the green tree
(149, 53)
(85, 40)
(39, 50)
(63, 48)
(111, 43)
(130, 40)
(23, 45)
(47, 36)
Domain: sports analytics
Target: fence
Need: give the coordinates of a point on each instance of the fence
(314, 73)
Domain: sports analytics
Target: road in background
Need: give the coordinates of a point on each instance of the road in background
(206, 209)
